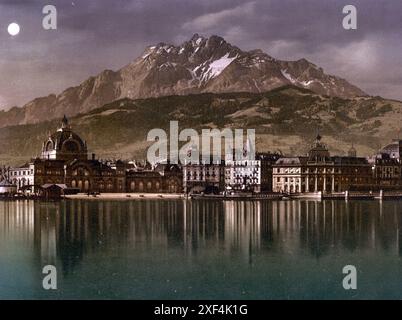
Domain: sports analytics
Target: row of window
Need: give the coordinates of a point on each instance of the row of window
(311, 181)
(322, 170)
(21, 173)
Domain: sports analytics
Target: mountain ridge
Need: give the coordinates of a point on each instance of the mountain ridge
(286, 119)
(196, 66)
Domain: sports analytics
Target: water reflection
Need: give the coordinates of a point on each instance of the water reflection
(71, 230)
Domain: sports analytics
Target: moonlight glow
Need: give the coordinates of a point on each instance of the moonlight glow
(13, 29)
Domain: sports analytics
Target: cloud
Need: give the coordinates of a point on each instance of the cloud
(209, 21)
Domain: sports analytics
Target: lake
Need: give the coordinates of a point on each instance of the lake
(193, 249)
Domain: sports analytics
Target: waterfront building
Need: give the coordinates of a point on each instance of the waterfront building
(22, 176)
(204, 177)
(163, 178)
(64, 145)
(387, 166)
(250, 175)
(64, 161)
(387, 171)
(320, 172)
(288, 175)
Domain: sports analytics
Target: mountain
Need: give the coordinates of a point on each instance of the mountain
(199, 65)
(285, 119)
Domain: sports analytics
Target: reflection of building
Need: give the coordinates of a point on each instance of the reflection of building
(319, 172)
(64, 160)
(69, 231)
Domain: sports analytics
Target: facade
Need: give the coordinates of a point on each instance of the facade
(319, 172)
(243, 175)
(64, 161)
(164, 178)
(250, 175)
(387, 172)
(288, 175)
(22, 176)
(387, 166)
(201, 177)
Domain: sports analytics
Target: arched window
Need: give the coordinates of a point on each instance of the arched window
(49, 146)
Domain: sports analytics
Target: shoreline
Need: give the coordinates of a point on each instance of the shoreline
(126, 196)
(269, 197)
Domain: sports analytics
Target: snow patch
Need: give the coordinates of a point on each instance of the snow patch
(217, 67)
(288, 76)
(307, 83)
(295, 81)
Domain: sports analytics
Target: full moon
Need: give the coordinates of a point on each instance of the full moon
(13, 29)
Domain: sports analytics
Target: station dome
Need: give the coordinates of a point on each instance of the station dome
(64, 144)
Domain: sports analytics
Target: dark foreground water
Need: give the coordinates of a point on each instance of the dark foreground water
(201, 250)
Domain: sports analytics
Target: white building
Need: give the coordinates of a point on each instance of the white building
(287, 174)
(23, 176)
(243, 175)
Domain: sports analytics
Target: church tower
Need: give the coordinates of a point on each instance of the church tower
(352, 153)
(319, 151)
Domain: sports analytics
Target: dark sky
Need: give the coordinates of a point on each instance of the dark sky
(94, 35)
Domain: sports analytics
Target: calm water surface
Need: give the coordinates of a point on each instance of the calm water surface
(163, 249)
